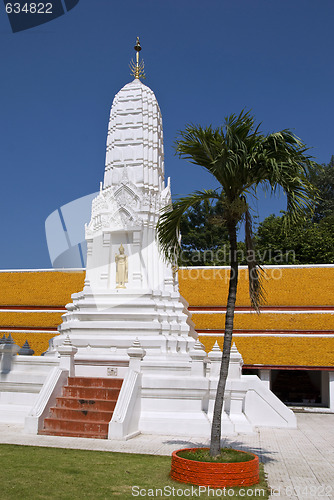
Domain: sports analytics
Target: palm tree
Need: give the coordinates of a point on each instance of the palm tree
(241, 159)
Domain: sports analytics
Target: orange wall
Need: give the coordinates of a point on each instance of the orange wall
(300, 286)
(42, 288)
(303, 286)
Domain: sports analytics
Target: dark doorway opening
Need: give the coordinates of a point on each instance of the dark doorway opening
(250, 371)
(297, 387)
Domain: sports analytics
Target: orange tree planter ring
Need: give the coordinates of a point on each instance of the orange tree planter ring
(214, 474)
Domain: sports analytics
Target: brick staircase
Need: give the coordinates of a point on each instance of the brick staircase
(84, 409)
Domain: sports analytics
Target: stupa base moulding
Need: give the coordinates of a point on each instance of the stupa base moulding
(169, 398)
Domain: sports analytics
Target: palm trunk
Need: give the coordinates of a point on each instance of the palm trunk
(232, 293)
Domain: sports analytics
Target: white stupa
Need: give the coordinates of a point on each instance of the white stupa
(137, 296)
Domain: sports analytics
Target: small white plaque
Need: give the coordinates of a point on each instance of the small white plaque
(112, 372)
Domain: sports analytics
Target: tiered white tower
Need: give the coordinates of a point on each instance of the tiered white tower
(130, 320)
(105, 318)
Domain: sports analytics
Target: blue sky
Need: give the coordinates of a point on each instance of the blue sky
(203, 60)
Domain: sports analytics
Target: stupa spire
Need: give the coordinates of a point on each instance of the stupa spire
(137, 68)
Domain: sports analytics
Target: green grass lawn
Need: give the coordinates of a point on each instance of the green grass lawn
(29, 473)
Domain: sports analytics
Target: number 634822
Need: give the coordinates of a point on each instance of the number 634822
(29, 8)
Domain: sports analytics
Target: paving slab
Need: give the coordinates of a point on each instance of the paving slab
(299, 462)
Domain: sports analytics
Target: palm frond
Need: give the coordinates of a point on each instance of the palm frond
(281, 161)
(201, 146)
(168, 227)
(223, 151)
(241, 158)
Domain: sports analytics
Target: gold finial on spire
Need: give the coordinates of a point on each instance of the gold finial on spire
(137, 68)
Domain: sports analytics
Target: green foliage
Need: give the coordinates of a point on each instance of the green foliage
(204, 236)
(312, 240)
(322, 177)
(307, 243)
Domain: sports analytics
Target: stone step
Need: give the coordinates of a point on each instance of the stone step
(95, 382)
(91, 435)
(90, 392)
(86, 404)
(81, 414)
(84, 409)
(60, 424)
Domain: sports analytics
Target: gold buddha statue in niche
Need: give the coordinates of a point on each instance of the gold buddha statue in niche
(121, 268)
